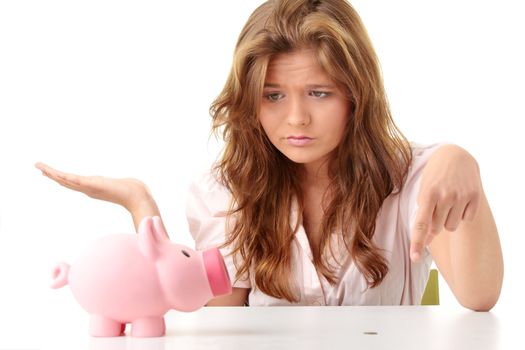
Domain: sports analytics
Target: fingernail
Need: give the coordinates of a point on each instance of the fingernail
(415, 256)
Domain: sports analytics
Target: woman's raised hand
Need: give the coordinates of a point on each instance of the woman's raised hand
(128, 192)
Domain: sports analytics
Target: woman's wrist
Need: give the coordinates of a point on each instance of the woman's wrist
(136, 196)
(145, 206)
(142, 203)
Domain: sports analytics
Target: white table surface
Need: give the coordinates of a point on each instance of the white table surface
(331, 328)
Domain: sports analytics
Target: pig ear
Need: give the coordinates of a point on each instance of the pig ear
(147, 240)
(160, 231)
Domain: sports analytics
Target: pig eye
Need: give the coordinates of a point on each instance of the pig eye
(185, 253)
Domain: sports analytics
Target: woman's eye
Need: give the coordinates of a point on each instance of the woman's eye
(273, 97)
(319, 94)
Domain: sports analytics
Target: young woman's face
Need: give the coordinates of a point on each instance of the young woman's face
(303, 112)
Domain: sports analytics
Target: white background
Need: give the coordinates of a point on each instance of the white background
(123, 89)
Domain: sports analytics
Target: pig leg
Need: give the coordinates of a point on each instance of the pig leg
(101, 326)
(148, 327)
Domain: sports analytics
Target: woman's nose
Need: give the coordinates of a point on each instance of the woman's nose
(298, 114)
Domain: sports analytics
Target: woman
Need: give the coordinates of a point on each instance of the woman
(318, 199)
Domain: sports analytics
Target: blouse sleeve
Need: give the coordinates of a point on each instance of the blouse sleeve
(206, 208)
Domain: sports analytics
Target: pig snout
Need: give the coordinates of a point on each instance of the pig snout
(216, 272)
(60, 275)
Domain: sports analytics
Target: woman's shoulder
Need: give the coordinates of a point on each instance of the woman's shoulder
(419, 149)
(421, 153)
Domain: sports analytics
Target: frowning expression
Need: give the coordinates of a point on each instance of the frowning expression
(303, 112)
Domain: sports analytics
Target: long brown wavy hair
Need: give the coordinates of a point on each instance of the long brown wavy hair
(370, 163)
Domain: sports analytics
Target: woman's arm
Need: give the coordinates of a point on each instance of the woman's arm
(471, 261)
(144, 206)
(454, 219)
(132, 194)
(135, 197)
(238, 297)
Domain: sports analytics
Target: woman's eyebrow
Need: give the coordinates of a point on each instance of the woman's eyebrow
(309, 86)
(320, 86)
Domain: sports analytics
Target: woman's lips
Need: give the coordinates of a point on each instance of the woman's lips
(299, 140)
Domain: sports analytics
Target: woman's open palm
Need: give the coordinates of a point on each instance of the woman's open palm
(126, 192)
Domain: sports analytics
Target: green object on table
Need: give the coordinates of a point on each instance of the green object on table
(431, 293)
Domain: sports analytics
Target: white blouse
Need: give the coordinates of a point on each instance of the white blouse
(208, 202)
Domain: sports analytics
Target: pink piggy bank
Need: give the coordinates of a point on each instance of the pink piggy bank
(128, 278)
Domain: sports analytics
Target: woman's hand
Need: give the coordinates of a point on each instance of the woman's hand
(128, 192)
(450, 192)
